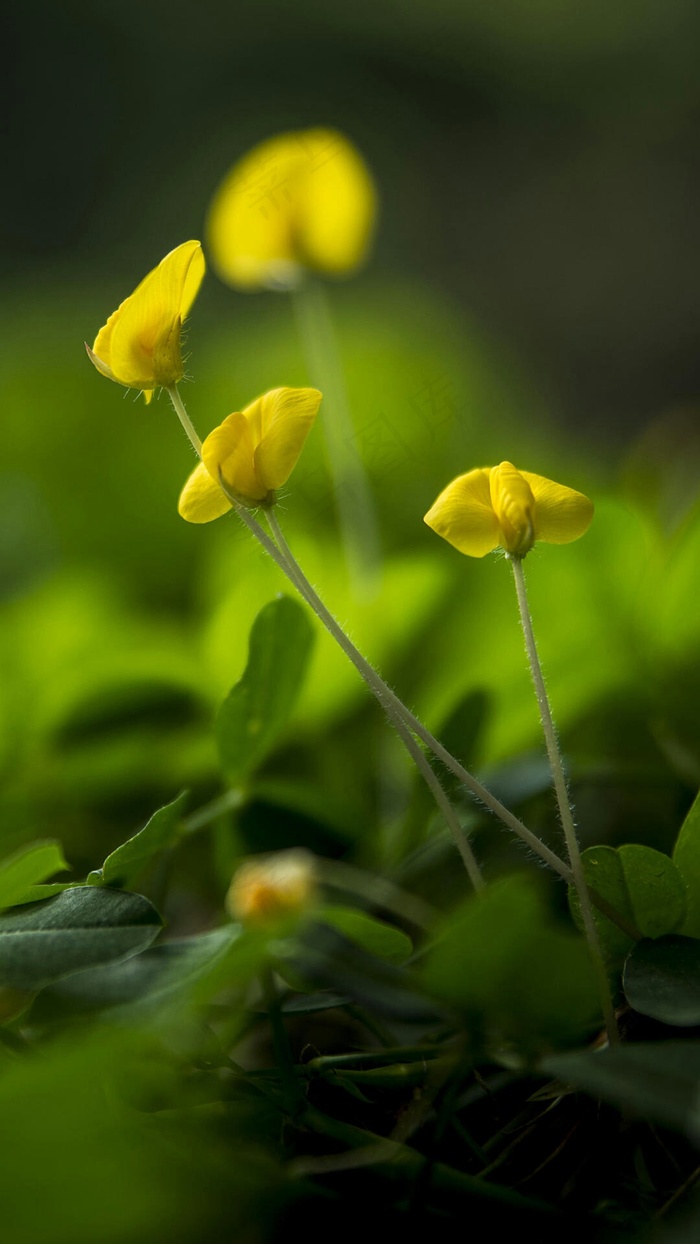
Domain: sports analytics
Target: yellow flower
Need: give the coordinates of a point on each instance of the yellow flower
(140, 344)
(494, 506)
(273, 889)
(301, 200)
(254, 451)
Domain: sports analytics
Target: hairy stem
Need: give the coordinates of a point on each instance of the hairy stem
(562, 794)
(354, 502)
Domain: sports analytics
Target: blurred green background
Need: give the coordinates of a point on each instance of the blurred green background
(534, 294)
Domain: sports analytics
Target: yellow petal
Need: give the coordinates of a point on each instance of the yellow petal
(514, 507)
(229, 449)
(337, 204)
(103, 368)
(464, 516)
(285, 417)
(561, 514)
(202, 500)
(302, 199)
(140, 343)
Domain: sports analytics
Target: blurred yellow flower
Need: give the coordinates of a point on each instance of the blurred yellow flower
(273, 889)
(254, 451)
(494, 506)
(301, 200)
(140, 345)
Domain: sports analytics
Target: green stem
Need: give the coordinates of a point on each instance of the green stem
(405, 1163)
(391, 701)
(387, 702)
(185, 420)
(562, 794)
(293, 1094)
(283, 558)
(355, 506)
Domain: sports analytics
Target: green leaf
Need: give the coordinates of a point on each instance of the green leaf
(686, 857)
(176, 973)
(28, 867)
(662, 980)
(123, 866)
(643, 886)
(375, 936)
(501, 960)
(35, 893)
(258, 707)
(658, 1080)
(79, 928)
(468, 963)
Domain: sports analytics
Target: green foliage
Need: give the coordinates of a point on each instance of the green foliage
(644, 888)
(662, 980)
(158, 983)
(123, 866)
(192, 1086)
(82, 1125)
(259, 706)
(41, 942)
(654, 1080)
(26, 869)
(686, 857)
(500, 960)
(375, 936)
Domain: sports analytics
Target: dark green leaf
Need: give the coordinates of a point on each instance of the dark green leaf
(658, 1080)
(662, 979)
(79, 928)
(177, 972)
(327, 959)
(466, 964)
(258, 707)
(123, 866)
(27, 868)
(686, 857)
(376, 936)
(501, 960)
(643, 886)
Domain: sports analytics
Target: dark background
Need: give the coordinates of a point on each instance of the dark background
(538, 161)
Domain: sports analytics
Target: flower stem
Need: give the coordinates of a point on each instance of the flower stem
(391, 702)
(355, 506)
(562, 794)
(185, 420)
(386, 700)
(281, 554)
(291, 1088)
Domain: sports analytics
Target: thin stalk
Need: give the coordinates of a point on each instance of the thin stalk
(414, 750)
(390, 701)
(354, 502)
(185, 420)
(562, 794)
(292, 1090)
(281, 554)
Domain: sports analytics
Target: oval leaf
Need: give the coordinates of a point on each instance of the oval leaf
(123, 866)
(177, 973)
(501, 959)
(658, 1080)
(79, 928)
(662, 980)
(686, 857)
(258, 707)
(643, 886)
